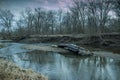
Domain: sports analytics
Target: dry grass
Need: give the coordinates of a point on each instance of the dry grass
(9, 71)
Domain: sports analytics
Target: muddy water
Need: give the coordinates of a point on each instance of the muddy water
(64, 67)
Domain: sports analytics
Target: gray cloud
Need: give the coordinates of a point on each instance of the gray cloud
(17, 6)
(33, 3)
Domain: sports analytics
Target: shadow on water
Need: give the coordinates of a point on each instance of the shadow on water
(64, 67)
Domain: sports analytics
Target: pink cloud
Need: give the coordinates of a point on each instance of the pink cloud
(58, 4)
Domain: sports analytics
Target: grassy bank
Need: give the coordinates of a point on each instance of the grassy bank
(9, 71)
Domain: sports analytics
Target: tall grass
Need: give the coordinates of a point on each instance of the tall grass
(9, 71)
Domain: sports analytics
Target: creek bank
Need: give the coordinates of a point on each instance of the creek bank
(103, 41)
(9, 71)
(69, 49)
(45, 48)
(49, 48)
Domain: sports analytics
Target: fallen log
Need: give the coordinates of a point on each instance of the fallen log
(76, 49)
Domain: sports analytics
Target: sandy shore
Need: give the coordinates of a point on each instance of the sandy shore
(51, 48)
(56, 49)
(9, 71)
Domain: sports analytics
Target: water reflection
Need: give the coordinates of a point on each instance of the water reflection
(60, 67)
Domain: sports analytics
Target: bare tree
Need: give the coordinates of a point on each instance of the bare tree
(51, 20)
(21, 29)
(79, 10)
(60, 17)
(30, 20)
(117, 8)
(67, 23)
(28, 17)
(104, 7)
(6, 19)
(39, 22)
(117, 11)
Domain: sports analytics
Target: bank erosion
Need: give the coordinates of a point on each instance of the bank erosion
(101, 40)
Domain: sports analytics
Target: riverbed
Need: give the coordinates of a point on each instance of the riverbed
(58, 66)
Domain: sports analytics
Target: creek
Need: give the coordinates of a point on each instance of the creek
(57, 66)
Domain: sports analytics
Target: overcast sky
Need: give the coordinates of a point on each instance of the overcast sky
(17, 6)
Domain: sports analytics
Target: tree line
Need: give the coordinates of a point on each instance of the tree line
(91, 17)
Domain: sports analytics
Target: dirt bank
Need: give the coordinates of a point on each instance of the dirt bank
(9, 71)
(104, 40)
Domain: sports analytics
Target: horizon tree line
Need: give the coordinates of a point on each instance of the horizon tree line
(91, 17)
